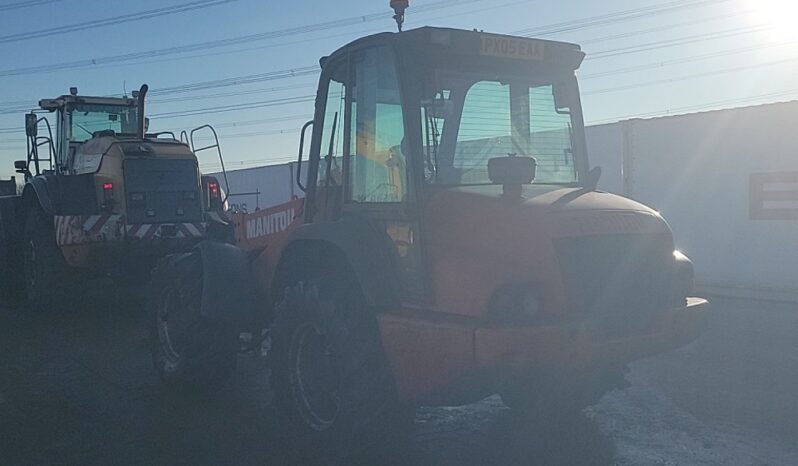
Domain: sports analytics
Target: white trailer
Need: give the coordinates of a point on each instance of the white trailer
(257, 188)
(727, 181)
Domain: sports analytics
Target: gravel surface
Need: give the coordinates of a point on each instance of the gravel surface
(79, 389)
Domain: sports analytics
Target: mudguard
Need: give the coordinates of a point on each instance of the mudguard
(227, 292)
(39, 188)
(368, 251)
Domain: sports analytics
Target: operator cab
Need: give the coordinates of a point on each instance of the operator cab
(401, 116)
(431, 107)
(79, 119)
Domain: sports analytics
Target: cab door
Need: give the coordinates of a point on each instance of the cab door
(359, 160)
(378, 177)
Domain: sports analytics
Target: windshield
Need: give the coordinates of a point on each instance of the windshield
(470, 119)
(88, 119)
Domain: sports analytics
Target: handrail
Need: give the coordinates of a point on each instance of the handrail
(299, 157)
(218, 148)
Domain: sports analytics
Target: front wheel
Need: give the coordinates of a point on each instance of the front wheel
(190, 349)
(333, 388)
(48, 278)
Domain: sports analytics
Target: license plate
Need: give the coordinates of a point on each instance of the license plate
(510, 47)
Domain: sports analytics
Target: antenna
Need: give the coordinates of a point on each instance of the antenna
(124, 88)
(399, 7)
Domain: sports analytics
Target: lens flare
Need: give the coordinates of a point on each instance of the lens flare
(781, 15)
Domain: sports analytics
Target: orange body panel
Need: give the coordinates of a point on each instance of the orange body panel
(448, 353)
(479, 240)
(265, 233)
(426, 357)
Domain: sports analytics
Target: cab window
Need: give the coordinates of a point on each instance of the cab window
(332, 139)
(377, 168)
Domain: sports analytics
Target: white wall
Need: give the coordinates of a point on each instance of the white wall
(697, 171)
(275, 183)
(605, 150)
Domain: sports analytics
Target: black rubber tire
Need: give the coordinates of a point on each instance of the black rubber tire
(48, 277)
(366, 417)
(12, 273)
(190, 349)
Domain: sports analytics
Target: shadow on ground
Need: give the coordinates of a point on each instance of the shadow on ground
(78, 388)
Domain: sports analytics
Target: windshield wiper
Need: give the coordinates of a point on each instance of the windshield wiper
(432, 134)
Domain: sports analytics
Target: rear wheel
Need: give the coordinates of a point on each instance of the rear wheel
(189, 348)
(333, 388)
(47, 275)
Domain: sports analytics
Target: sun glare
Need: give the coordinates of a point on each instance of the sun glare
(781, 15)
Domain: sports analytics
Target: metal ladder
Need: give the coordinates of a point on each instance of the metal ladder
(214, 145)
(34, 142)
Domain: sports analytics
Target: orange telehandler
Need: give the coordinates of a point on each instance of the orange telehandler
(452, 244)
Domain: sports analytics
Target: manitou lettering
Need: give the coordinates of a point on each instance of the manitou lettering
(269, 224)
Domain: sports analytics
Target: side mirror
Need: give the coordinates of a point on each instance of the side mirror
(512, 172)
(592, 178)
(21, 166)
(31, 125)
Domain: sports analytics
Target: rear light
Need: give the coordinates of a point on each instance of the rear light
(215, 195)
(108, 196)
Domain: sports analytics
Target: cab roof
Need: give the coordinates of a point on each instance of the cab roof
(61, 101)
(452, 41)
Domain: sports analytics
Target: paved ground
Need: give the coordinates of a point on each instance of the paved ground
(79, 389)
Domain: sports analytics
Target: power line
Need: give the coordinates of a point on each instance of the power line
(677, 61)
(238, 80)
(255, 78)
(733, 32)
(610, 18)
(227, 42)
(259, 121)
(311, 70)
(252, 162)
(699, 107)
(664, 27)
(231, 94)
(130, 17)
(25, 4)
(255, 133)
(230, 108)
(352, 34)
(689, 77)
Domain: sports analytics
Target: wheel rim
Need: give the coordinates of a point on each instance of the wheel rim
(166, 325)
(314, 377)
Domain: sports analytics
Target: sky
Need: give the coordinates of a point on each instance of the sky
(644, 58)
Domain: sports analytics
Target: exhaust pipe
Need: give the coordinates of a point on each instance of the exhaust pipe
(141, 96)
